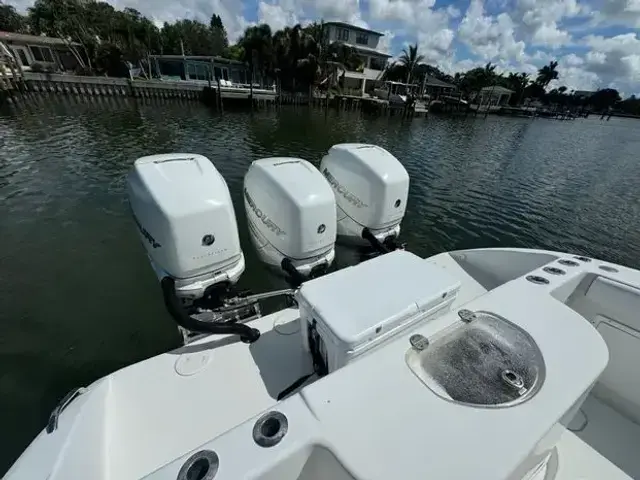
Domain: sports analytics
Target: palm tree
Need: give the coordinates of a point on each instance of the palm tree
(257, 43)
(518, 82)
(547, 73)
(410, 59)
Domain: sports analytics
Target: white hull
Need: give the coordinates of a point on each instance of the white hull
(372, 419)
(393, 98)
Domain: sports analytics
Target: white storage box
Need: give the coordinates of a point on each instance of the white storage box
(358, 308)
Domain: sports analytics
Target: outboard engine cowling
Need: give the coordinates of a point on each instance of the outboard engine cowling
(371, 188)
(291, 213)
(184, 214)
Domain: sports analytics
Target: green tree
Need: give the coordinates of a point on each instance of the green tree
(631, 105)
(11, 20)
(604, 99)
(218, 34)
(517, 82)
(257, 43)
(192, 37)
(395, 72)
(547, 73)
(477, 78)
(410, 59)
(345, 55)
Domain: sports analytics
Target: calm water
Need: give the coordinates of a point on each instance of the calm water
(78, 299)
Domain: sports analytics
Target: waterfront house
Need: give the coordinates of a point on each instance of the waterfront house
(365, 43)
(494, 95)
(194, 68)
(434, 87)
(36, 51)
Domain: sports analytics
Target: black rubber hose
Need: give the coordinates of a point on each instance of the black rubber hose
(296, 277)
(182, 318)
(375, 243)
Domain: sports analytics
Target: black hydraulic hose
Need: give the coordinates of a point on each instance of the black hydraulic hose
(182, 318)
(375, 243)
(296, 277)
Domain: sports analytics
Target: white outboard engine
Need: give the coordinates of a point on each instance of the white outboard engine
(371, 188)
(183, 211)
(291, 212)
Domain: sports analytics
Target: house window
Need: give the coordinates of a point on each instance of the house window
(378, 63)
(343, 34)
(221, 73)
(22, 56)
(362, 38)
(197, 71)
(41, 54)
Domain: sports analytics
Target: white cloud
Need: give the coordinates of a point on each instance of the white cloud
(403, 10)
(619, 12)
(573, 60)
(490, 37)
(540, 20)
(384, 44)
(616, 60)
(548, 34)
(276, 16)
(453, 12)
(435, 46)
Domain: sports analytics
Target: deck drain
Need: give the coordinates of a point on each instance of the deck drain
(270, 429)
(537, 279)
(202, 465)
(582, 259)
(568, 263)
(607, 268)
(554, 270)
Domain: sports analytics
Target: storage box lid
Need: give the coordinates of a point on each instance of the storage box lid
(366, 301)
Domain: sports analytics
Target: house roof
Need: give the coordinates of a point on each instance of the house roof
(496, 89)
(354, 27)
(436, 82)
(363, 49)
(34, 39)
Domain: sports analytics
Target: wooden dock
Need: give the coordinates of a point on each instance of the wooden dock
(50, 83)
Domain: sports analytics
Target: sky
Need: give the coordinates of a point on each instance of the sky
(595, 42)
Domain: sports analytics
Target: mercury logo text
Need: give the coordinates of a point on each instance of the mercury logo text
(263, 216)
(145, 234)
(342, 190)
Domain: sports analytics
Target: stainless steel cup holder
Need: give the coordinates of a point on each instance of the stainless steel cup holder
(537, 279)
(270, 429)
(607, 268)
(202, 465)
(554, 270)
(568, 263)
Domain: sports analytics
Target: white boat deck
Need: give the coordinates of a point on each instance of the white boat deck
(610, 433)
(144, 420)
(577, 460)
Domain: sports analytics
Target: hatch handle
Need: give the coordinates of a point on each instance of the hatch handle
(52, 424)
